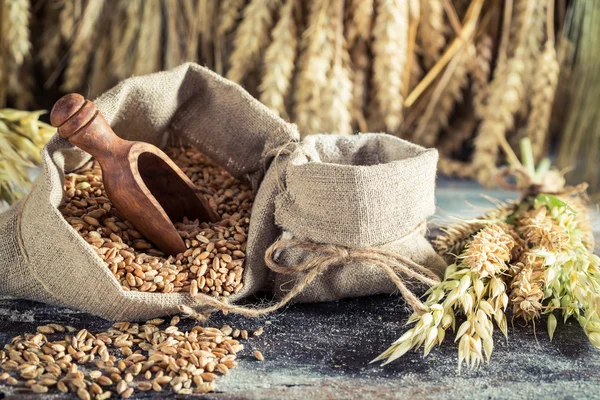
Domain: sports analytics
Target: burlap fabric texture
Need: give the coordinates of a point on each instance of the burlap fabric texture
(354, 192)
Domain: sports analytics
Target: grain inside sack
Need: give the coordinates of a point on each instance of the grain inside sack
(214, 260)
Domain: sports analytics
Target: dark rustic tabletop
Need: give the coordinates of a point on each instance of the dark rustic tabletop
(323, 350)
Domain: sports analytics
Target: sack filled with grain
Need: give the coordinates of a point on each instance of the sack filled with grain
(331, 217)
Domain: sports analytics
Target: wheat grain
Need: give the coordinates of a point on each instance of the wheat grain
(390, 35)
(318, 51)
(279, 61)
(480, 74)
(83, 45)
(432, 30)
(213, 262)
(251, 37)
(148, 55)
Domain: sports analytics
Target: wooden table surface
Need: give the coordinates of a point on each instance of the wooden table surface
(323, 350)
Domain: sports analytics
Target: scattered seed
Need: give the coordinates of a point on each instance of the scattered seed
(258, 332)
(259, 356)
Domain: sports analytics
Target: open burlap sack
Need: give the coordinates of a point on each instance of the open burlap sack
(42, 258)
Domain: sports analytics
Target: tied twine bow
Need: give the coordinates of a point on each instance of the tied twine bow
(325, 257)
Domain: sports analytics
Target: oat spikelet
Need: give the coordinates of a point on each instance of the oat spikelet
(18, 30)
(251, 37)
(480, 74)
(432, 30)
(82, 47)
(359, 27)
(448, 93)
(280, 59)
(544, 89)
(318, 50)
(390, 36)
(148, 53)
(527, 287)
(455, 237)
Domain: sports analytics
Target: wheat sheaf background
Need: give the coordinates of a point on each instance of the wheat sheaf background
(468, 77)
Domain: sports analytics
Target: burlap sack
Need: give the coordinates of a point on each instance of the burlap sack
(42, 258)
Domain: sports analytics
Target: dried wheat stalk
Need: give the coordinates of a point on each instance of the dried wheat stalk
(432, 31)
(505, 99)
(173, 56)
(447, 94)
(83, 45)
(280, 59)
(251, 37)
(390, 36)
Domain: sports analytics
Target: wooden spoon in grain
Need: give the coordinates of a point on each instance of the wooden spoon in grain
(141, 181)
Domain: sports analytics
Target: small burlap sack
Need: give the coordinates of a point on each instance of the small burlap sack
(351, 209)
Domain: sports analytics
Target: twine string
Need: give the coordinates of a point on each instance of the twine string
(326, 256)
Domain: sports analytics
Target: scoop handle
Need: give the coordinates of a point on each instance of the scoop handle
(81, 123)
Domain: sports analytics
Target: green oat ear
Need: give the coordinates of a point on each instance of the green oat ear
(551, 201)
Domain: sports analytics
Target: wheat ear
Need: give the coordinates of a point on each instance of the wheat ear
(390, 40)
(480, 74)
(280, 59)
(318, 49)
(51, 42)
(360, 79)
(124, 38)
(359, 26)
(18, 30)
(147, 56)
(446, 95)
(229, 14)
(337, 96)
(544, 88)
(82, 47)
(251, 37)
(432, 30)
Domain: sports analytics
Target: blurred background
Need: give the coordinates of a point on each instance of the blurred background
(467, 77)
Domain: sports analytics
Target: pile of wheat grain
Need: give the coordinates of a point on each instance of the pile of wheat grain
(214, 260)
(468, 77)
(128, 357)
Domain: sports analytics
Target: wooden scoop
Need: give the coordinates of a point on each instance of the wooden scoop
(142, 182)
